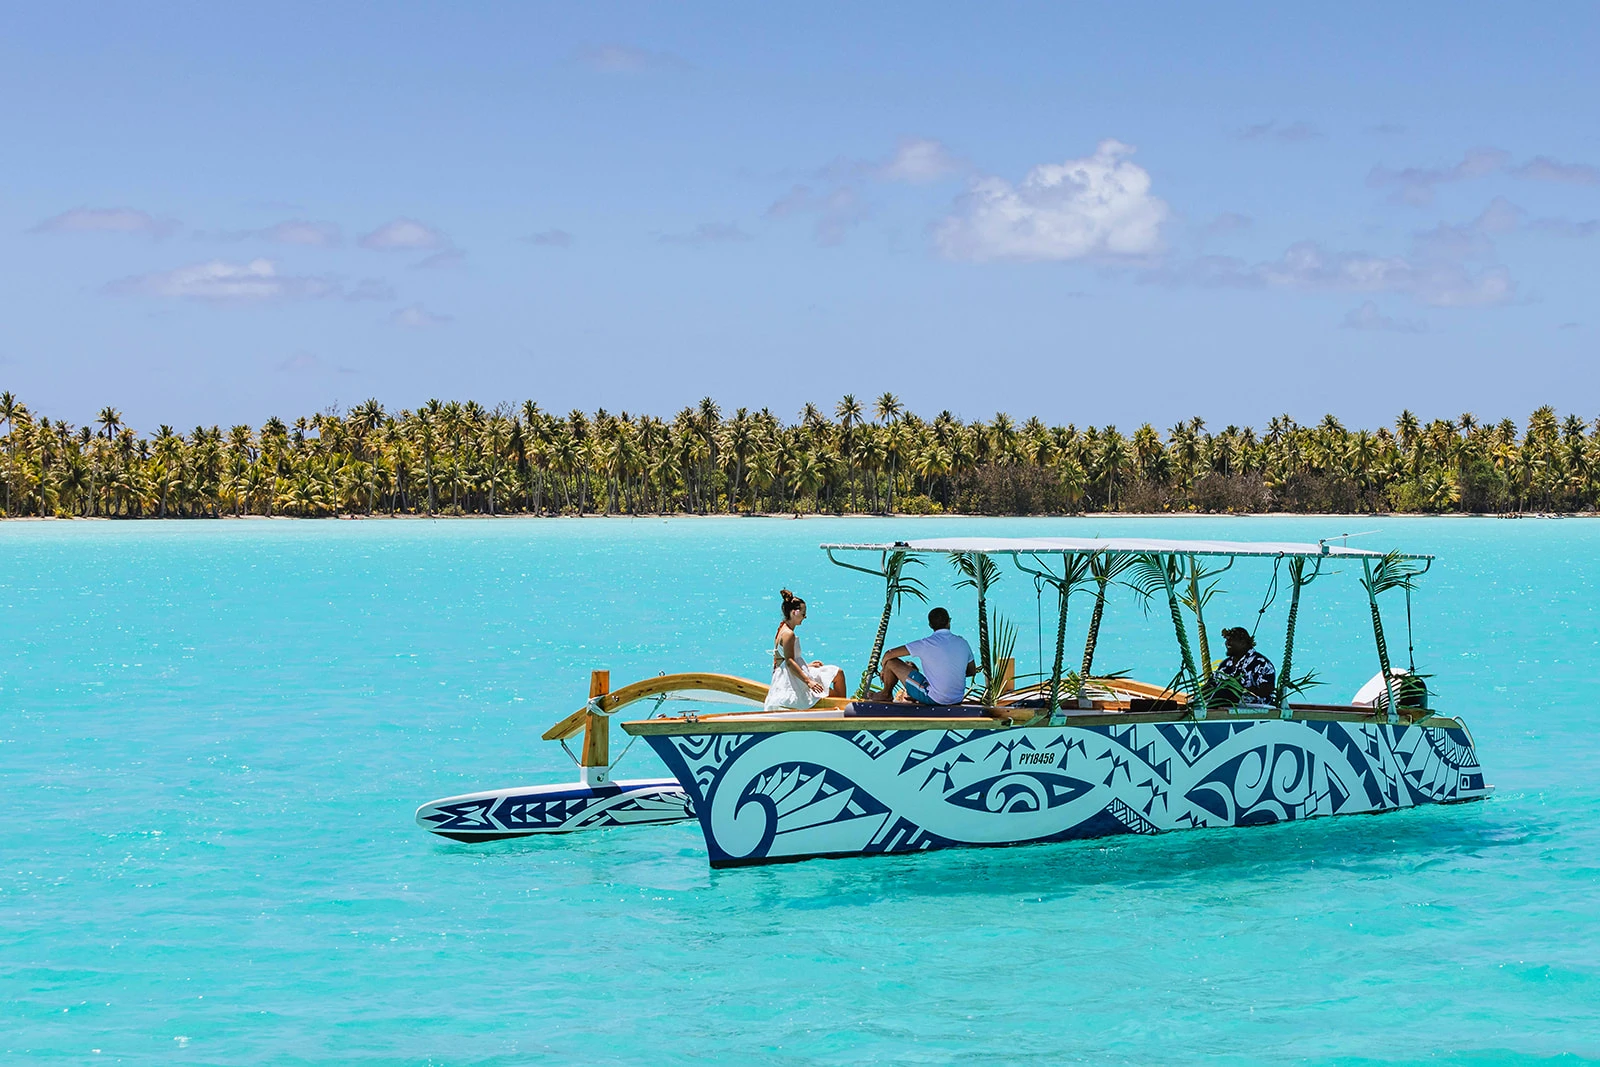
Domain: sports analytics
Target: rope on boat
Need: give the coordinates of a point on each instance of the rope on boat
(656, 710)
(653, 713)
(1411, 648)
(1038, 618)
(1272, 594)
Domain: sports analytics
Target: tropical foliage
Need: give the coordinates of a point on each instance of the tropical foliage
(897, 586)
(461, 458)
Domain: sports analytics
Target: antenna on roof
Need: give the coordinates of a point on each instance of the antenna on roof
(1345, 538)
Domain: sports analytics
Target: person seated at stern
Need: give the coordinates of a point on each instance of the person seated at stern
(946, 665)
(1253, 671)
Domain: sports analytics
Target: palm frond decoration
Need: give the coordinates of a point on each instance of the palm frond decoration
(1226, 689)
(1195, 597)
(1297, 686)
(1152, 573)
(1000, 646)
(897, 586)
(1412, 690)
(1103, 570)
(979, 573)
(1074, 572)
(1149, 574)
(1390, 572)
(1075, 686)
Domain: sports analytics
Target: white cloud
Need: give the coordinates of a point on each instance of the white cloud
(1545, 169)
(369, 289)
(918, 160)
(1415, 185)
(1501, 216)
(449, 257)
(624, 59)
(220, 282)
(550, 238)
(416, 317)
(1451, 265)
(303, 362)
(1368, 317)
(1230, 221)
(107, 220)
(837, 211)
(1097, 206)
(406, 235)
(1440, 278)
(303, 232)
(1221, 228)
(1271, 131)
(1566, 227)
(705, 234)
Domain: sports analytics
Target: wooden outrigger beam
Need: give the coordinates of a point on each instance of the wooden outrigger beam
(602, 702)
(596, 728)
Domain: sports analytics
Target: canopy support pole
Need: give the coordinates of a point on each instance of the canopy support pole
(981, 583)
(1199, 614)
(1297, 581)
(1377, 635)
(896, 585)
(1199, 698)
(1280, 696)
(1073, 569)
(1061, 642)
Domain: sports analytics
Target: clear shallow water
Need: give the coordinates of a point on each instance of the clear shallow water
(213, 737)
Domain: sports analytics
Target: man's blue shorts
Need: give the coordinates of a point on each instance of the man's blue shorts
(917, 688)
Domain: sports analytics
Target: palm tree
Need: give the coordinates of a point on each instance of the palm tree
(10, 407)
(850, 415)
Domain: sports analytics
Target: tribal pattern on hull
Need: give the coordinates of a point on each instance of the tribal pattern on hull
(780, 796)
(555, 809)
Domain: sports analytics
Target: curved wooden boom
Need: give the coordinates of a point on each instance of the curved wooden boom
(607, 703)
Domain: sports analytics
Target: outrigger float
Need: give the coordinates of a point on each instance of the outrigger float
(1069, 756)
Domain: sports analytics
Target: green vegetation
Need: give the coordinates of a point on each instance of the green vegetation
(460, 458)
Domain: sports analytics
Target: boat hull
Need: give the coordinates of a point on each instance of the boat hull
(522, 811)
(767, 797)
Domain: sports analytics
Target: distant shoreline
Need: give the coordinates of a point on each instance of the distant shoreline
(786, 516)
(871, 460)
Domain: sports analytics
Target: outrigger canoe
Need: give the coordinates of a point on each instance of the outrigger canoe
(1068, 756)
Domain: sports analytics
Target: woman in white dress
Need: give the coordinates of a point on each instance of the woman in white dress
(797, 684)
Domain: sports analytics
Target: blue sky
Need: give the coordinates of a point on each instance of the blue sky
(1093, 213)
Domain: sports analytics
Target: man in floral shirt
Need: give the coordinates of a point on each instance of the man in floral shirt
(1252, 670)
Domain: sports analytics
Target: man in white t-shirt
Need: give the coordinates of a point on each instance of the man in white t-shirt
(946, 665)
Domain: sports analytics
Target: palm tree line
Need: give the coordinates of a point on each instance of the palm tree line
(455, 458)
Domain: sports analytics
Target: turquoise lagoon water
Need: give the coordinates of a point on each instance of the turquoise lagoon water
(213, 737)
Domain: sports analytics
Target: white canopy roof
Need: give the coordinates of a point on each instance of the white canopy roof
(1000, 546)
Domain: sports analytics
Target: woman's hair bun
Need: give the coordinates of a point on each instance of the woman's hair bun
(790, 601)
